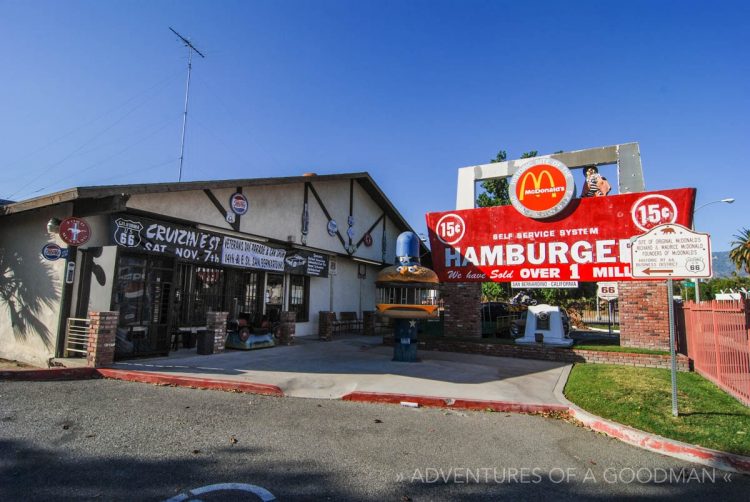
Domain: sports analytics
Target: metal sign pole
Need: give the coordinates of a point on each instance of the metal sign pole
(670, 300)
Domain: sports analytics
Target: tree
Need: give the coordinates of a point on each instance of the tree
(496, 190)
(496, 194)
(740, 252)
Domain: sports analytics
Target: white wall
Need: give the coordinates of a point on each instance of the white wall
(30, 287)
(276, 212)
(100, 295)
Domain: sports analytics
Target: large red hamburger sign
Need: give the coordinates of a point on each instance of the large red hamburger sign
(590, 242)
(542, 188)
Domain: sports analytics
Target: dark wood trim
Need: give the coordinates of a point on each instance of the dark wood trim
(383, 243)
(66, 301)
(382, 216)
(238, 217)
(325, 212)
(351, 211)
(216, 203)
(106, 205)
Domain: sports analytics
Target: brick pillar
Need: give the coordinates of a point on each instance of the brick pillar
(644, 314)
(102, 332)
(325, 325)
(368, 322)
(287, 327)
(216, 328)
(462, 303)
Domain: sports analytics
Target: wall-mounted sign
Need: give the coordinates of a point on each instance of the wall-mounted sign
(238, 203)
(70, 272)
(332, 266)
(332, 227)
(367, 240)
(249, 254)
(74, 231)
(303, 262)
(53, 252)
(541, 188)
(169, 239)
(591, 243)
(128, 232)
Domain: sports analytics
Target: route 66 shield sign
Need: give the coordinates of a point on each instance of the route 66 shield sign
(128, 233)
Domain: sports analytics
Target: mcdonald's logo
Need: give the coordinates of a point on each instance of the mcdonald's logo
(536, 181)
(541, 188)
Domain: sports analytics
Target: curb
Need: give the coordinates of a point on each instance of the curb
(652, 442)
(59, 374)
(670, 447)
(196, 383)
(453, 403)
(48, 374)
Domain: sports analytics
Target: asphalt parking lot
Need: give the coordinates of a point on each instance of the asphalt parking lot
(111, 440)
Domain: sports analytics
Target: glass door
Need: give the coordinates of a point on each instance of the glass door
(142, 295)
(274, 297)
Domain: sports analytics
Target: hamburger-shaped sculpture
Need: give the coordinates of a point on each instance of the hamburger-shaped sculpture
(407, 292)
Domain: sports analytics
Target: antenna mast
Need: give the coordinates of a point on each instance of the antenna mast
(191, 48)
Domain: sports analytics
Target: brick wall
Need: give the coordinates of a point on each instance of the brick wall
(550, 353)
(286, 330)
(101, 345)
(644, 314)
(462, 302)
(368, 322)
(325, 325)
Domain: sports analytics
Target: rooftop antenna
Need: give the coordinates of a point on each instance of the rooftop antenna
(191, 48)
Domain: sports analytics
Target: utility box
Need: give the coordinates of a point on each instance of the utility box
(205, 343)
(544, 325)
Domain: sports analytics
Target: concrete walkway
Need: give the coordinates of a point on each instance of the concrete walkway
(360, 365)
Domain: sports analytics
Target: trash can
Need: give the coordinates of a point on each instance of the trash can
(205, 343)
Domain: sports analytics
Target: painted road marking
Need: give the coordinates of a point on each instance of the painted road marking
(259, 491)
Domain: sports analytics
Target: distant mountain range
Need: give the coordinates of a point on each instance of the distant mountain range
(723, 266)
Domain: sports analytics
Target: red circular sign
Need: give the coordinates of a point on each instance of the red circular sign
(75, 231)
(541, 188)
(653, 210)
(450, 229)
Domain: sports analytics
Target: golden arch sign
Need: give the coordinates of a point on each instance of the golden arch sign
(541, 188)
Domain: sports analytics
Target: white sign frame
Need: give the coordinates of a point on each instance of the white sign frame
(605, 292)
(671, 251)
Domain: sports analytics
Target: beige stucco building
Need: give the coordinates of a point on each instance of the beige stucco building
(163, 255)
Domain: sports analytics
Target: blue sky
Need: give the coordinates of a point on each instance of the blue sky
(92, 92)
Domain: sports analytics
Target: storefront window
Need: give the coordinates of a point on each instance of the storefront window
(201, 291)
(299, 289)
(243, 294)
(274, 296)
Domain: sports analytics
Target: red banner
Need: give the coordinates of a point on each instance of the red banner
(590, 241)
